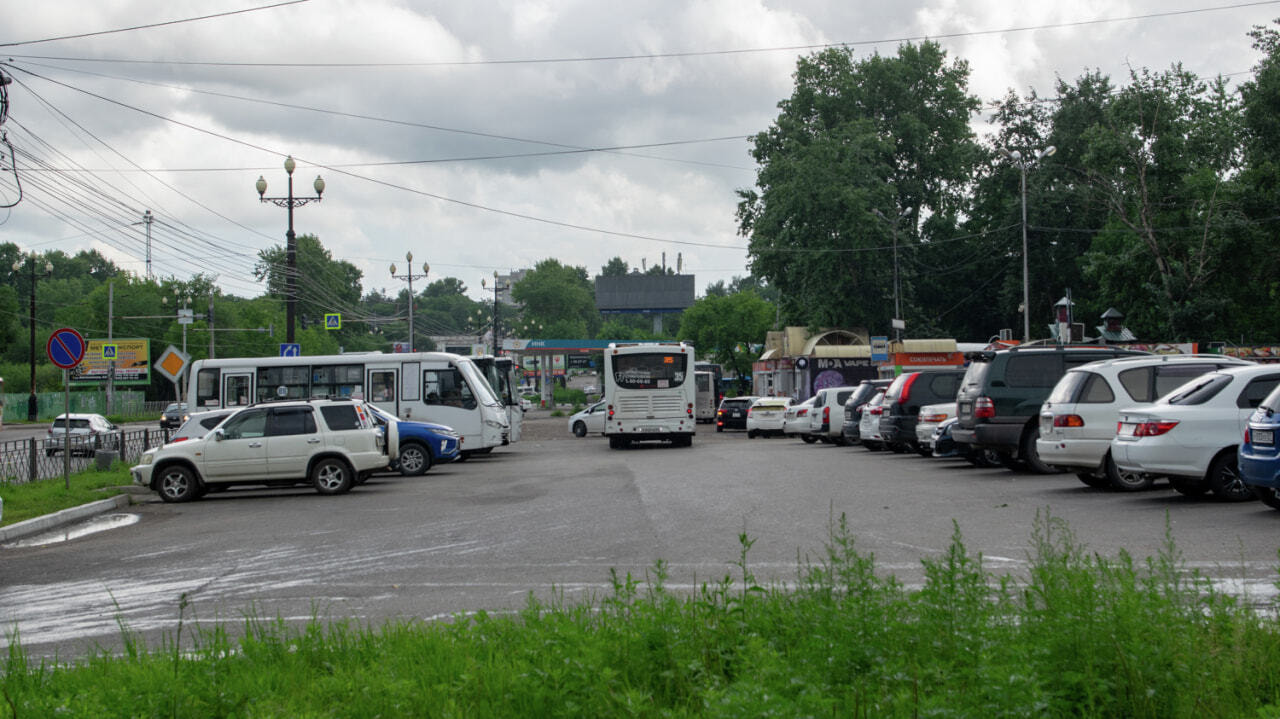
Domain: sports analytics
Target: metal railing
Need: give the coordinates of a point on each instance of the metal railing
(26, 460)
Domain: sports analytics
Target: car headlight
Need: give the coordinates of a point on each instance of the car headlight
(147, 458)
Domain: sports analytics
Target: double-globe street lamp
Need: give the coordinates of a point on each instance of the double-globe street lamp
(30, 259)
(1016, 158)
(291, 245)
(408, 257)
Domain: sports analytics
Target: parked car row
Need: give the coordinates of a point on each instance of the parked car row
(330, 444)
(1114, 418)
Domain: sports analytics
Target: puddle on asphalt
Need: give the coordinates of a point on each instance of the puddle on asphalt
(75, 531)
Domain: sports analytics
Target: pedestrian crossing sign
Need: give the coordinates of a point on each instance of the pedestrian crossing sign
(332, 321)
(109, 351)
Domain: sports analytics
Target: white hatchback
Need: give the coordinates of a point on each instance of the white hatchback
(589, 420)
(796, 422)
(766, 416)
(1078, 420)
(1192, 434)
(869, 426)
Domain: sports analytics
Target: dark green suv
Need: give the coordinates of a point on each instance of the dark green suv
(998, 407)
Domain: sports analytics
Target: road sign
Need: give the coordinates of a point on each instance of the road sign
(172, 363)
(879, 349)
(65, 348)
(186, 316)
(332, 321)
(290, 349)
(109, 351)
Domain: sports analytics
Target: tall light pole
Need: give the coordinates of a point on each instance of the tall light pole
(1016, 158)
(32, 403)
(291, 245)
(408, 257)
(497, 287)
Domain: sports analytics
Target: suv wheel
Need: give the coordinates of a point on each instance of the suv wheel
(1123, 480)
(415, 459)
(808, 438)
(1225, 480)
(579, 429)
(1032, 457)
(178, 484)
(332, 476)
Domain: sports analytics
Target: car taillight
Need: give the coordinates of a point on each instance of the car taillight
(1068, 420)
(690, 409)
(876, 410)
(1153, 428)
(1247, 438)
(906, 388)
(826, 414)
(933, 417)
(984, 408)
(801, 412)
(750, 410)
(610, 411)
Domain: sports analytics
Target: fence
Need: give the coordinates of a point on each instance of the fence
(51, 404)
(26, 460)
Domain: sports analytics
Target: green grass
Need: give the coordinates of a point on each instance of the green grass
(1078, 635)
(33, 499)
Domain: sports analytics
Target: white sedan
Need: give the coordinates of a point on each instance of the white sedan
(589, 420)
(1192, 434)
(766, 416)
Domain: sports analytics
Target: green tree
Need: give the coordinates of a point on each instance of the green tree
(560, 298)
(616, 267)
(725, 327)
(882, 133)
(324, 285)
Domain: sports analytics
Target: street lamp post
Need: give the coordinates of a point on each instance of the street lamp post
(408, 257)
(291, 245)
(32, 402)
(1016, 158)
(497, 287)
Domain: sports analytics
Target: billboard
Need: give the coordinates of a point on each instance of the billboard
(644, 293)
(133, 363)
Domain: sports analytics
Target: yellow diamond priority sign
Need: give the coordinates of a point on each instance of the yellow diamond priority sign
(172, 363)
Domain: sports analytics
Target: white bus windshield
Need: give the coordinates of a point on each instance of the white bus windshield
(657, 370)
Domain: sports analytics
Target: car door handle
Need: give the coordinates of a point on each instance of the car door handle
(314, 440)
(255, 445)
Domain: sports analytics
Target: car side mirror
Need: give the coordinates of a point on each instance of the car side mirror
(219, 435)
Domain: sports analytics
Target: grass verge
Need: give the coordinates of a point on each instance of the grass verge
(28, 500)
(1077, 635)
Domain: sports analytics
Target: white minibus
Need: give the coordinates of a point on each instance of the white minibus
(649, 393)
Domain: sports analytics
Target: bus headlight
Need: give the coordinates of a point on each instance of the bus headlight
(493, 423)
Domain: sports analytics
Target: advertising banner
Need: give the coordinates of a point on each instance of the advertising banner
(133, 363)
(839, 372)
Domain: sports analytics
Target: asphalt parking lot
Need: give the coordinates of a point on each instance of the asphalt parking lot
(553, 515)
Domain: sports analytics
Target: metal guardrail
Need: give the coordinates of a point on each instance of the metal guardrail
(26, 460)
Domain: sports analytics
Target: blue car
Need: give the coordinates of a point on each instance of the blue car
(1259, 457)
(422, 444)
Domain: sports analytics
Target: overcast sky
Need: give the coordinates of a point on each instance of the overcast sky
(448, 92)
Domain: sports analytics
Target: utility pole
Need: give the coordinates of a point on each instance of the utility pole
(211, 332)
(111, 363)
(146, 220)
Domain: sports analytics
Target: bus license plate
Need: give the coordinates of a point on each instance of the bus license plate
(1263, 436)
(650, 429)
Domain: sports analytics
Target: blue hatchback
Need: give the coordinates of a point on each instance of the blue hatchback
(1259, 455)
(422, 444)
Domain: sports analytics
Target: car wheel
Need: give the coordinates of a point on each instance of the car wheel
(1008, 461)
(178, 484)
(332, 476)
(1123, 480)
(751, 434)
(1094, 479)
(1225, 480)
(872, 445)
(924, 451)
(898, 448)
(1031, 455)
(808, 438)
(1269, 496)
(1189, 486)
(415, 459)
(579, 429)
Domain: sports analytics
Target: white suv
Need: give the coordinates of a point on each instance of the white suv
(331, 444)
(1078, 420)
(826, 419)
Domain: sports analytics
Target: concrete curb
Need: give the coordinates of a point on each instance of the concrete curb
(18, 530)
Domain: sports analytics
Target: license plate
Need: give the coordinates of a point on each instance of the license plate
(650, 429)
(736, 413)
(1263, 436)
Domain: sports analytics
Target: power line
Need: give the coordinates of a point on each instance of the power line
(152, 25)
(661, 55)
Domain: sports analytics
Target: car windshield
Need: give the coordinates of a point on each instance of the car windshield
(76, 423)
(1199, 390)
(198, 426)
(974, 375)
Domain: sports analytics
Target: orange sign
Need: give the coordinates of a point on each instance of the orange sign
(926, 359)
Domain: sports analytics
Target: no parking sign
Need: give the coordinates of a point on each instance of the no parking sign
(65, 348)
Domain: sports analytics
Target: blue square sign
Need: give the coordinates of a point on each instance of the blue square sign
(290, 349)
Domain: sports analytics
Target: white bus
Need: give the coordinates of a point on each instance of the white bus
(649, 393)
(425, 386)
(705, 405)
(501, 374)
